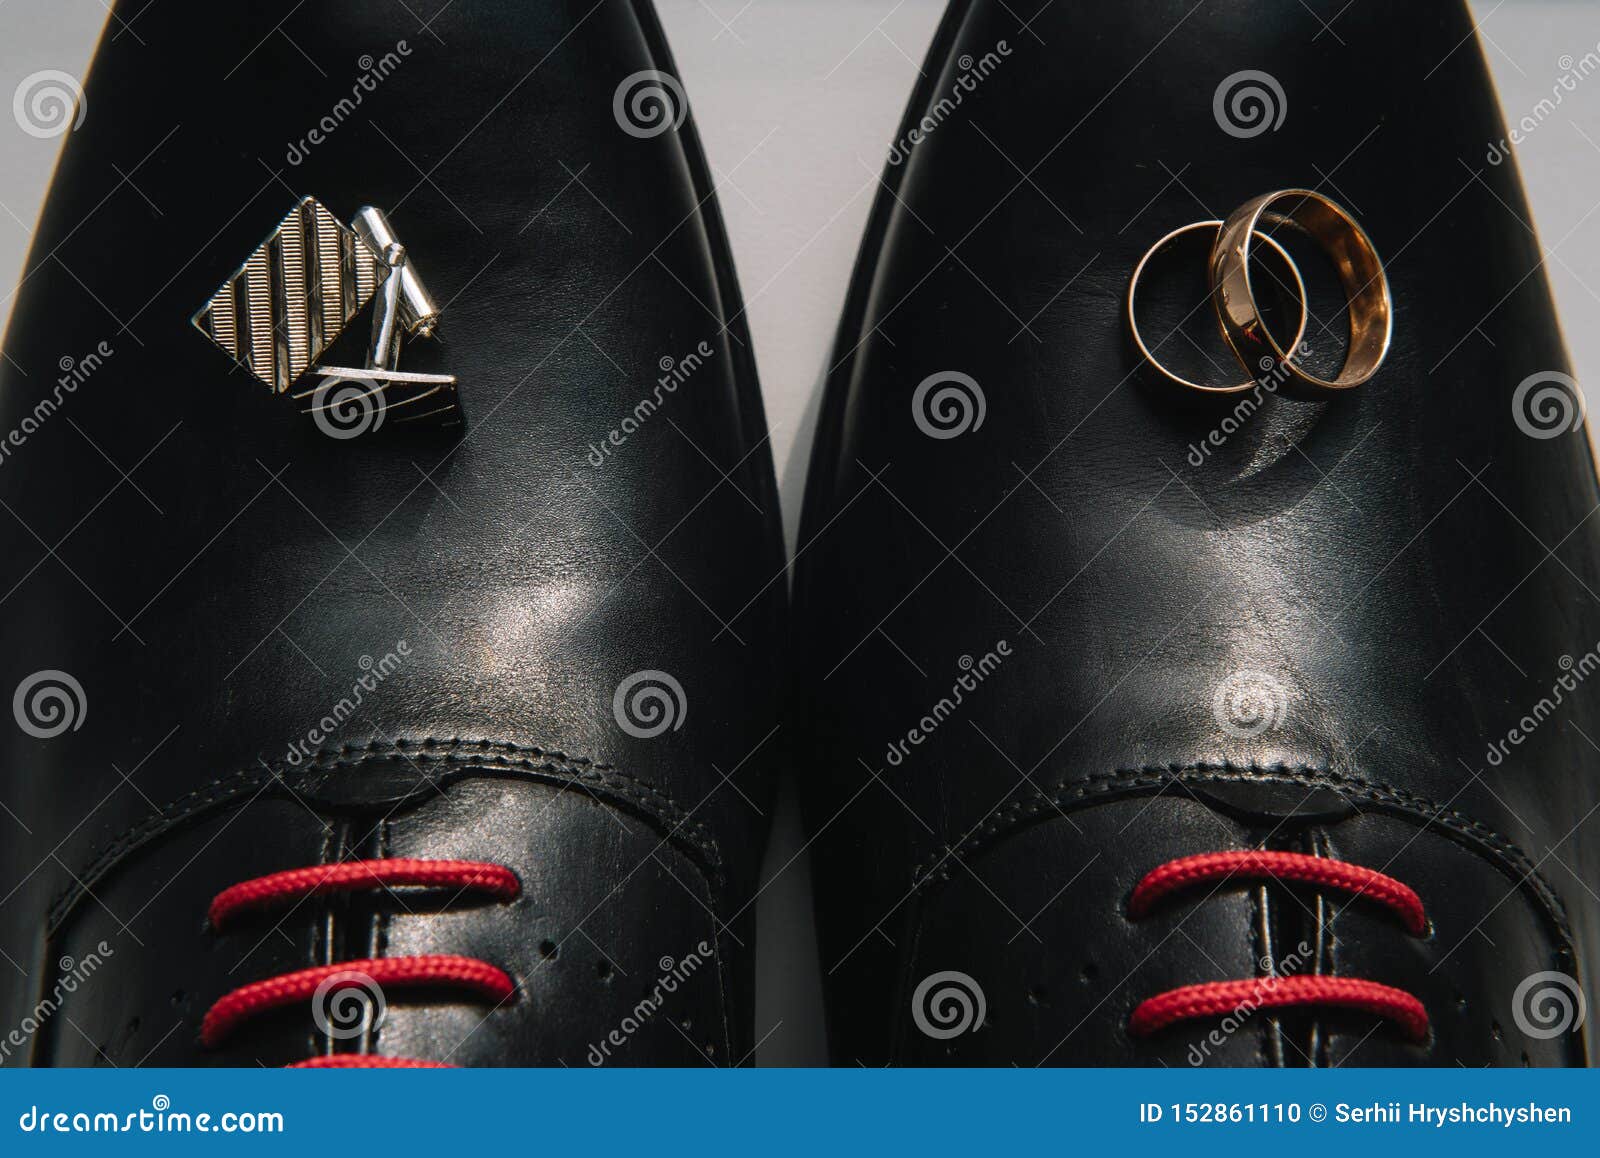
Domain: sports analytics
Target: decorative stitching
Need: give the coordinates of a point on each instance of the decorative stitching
(446, 753)
(1016, 813)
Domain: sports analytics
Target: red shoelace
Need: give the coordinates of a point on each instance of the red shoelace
(465, 974)
(1219, 998)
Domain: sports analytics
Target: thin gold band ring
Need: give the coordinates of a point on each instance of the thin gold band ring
(1149, 355)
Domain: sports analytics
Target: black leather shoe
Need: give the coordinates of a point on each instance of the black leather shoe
(1106, 709)
(474, 719)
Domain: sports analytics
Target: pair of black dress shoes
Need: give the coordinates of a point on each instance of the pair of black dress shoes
(1128, 730)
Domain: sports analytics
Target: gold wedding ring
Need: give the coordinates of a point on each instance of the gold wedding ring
(1361, 276)
(1149, 355)
(1360, 273)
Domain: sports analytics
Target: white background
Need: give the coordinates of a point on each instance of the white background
(796, 102)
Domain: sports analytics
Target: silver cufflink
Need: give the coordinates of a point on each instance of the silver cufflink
(288, 303)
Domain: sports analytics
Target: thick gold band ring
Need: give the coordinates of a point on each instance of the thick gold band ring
(1149, 356)
(1360, 273)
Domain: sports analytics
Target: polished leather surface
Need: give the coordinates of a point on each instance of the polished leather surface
(1404, 571)
(218, 575)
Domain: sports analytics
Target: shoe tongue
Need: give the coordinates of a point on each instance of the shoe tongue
(1274, 803)
(381, 785)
